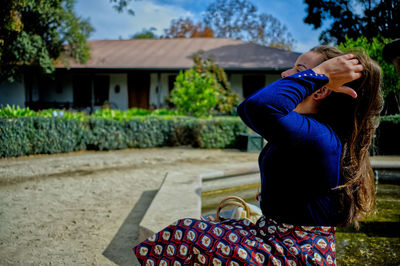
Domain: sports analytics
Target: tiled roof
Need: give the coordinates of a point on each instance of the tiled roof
(177, 54)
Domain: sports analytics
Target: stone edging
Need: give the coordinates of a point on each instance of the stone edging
(179, 197)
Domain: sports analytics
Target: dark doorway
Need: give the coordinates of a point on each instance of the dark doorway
(252, 83)
(82, 86)
(101, 89)
(171, 82)
(139, 90)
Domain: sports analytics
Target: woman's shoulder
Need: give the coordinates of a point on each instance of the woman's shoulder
(320, 134)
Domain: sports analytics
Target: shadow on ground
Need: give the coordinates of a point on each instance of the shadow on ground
(119, 250)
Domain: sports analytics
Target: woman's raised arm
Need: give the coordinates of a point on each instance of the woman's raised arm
(341, 70)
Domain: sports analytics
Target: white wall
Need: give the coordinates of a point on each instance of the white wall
(12, 93)
(158, 99)
(154, 97)
(164, 87)
(121, 99)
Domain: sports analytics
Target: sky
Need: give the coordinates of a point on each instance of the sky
(110, 25)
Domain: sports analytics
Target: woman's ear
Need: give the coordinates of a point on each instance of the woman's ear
(321, 94)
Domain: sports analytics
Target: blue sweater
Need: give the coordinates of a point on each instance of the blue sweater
(301, 162)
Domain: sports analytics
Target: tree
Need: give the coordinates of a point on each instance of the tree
(227, 101)
(354, 18)
(145, 34)
(193, 93)
(38, 32)
(121, 5)
(239, 19)
(203, 90)
(391, 80)
(186, 28)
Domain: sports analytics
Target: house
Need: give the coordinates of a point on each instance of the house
(141, 73)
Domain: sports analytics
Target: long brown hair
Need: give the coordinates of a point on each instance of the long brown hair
(354, 121)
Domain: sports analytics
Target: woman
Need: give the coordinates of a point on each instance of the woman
(315, 171)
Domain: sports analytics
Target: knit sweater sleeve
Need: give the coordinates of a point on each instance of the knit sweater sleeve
(269, 111)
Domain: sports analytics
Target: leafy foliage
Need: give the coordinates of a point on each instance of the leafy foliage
(24, 132)
(194, 94)
(133, 112)
(354, 18)
(145, 34)
(203, 90)
(186, 28)
(395, 119)
(40, 135)
(239, 19)
(227, 101)
(15, 111)
(38, 32)
(46, 135)
(374, 48)
(121, 5)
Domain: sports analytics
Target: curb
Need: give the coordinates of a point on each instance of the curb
(178, 197)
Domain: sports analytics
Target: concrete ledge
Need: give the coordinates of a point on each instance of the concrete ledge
(229, 173)
(179, 197)
(385, 164)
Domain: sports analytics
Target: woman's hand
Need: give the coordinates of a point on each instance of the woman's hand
(341, 70)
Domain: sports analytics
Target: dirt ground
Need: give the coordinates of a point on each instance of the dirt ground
(84, 208)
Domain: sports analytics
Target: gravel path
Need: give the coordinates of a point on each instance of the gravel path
(84, 208)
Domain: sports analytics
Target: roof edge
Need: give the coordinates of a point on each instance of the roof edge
(169, 69)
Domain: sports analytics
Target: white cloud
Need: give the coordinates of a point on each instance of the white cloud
(149, 14)
(303, 47)
(110, 24)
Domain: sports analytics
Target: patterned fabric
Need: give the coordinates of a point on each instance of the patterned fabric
(238, 242)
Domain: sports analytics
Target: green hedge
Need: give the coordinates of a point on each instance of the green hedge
(40, 135)
(47, 135)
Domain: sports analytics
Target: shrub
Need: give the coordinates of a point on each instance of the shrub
(394, 119)
(15, 111)
(41, 135)
(219, 132)
(204, 90)
(15, 136)
(46, 135)
(194, 94)
(227, 101)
